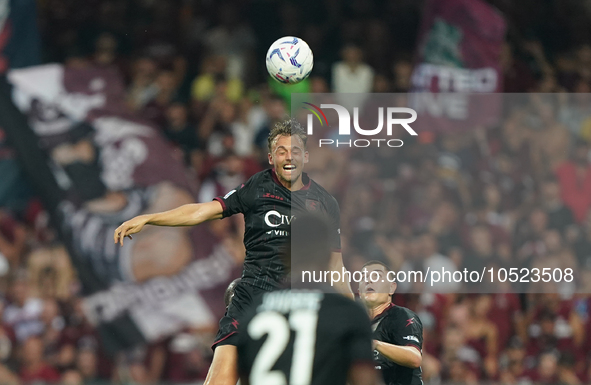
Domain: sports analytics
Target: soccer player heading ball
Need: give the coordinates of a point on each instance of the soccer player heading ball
(270, 200)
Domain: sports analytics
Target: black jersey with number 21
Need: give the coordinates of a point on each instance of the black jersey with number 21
(269, 208)
(303, 337)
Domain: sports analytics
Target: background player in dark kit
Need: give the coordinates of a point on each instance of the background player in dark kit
(269, 201)
(310, 335)
(397, 331)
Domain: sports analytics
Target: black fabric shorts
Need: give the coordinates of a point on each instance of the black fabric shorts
(244, 295)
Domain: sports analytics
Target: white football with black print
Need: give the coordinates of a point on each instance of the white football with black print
(289, 60)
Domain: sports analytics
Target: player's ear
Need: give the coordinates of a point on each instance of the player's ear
(270, 158)
(306, 157)
(392, 288)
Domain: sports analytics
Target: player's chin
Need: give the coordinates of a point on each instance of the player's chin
(369, 297)
(290, 175)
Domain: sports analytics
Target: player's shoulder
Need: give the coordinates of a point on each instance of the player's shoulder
(261, 176)
(321, 192)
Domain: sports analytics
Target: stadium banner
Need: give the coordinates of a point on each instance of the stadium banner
(457, 58)
(435, 212)
(19, 47)
(20, 44)
(94, 165)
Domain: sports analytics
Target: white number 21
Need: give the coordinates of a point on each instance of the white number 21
(278, 330)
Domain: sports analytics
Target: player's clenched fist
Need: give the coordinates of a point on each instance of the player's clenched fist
(132, 226)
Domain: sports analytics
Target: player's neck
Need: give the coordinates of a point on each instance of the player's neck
(379, 309)
(292, 186)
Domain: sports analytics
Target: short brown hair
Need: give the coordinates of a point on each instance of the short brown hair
(288, 127)
(375, 262)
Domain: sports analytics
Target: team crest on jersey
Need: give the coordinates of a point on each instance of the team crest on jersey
(312, 205)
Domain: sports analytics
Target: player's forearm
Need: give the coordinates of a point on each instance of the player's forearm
(407, 356)
(343, 286)
(187, 215)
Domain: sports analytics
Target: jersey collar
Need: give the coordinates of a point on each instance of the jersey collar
(305, 180)
(390, 306)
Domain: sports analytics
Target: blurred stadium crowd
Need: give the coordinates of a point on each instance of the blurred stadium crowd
(517, 192)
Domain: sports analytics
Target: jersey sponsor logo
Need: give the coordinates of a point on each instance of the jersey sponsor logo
(269, 195)
(411, 338)
(274, 218)
(230, 193)
(282, 233)
(410, 321)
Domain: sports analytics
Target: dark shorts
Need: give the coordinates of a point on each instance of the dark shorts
(244, 295)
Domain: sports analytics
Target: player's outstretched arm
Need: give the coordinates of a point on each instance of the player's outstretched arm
(187, 215)
(408, 356)
(343, 286)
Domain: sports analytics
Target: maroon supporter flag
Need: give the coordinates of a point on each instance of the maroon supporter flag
(458, 65)
(96, 165)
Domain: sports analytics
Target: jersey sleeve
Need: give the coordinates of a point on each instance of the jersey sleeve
(358, 344)
(406, 330)
(334, 214)
(238, 200)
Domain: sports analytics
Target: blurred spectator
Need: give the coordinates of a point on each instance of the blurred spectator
(23, 313)
(87, 365)
(71, 377)
(513, 366)
(276, 111)
(555, 325)
(432, 258)
(546, 371)
(188, 361)
(574, 177)
(225, 174)
(517, 76)
(213, 81)
(567, 371)
(233, 39)
(582, 245)
(34, 369)
(166, 91)
(12, 242)
(180, 131)
(482, 334)
(552, 140)
(402, 71)
(51, 272)
(560, 217)
(53, 324)
(352, 75)
(143, 87)
(506, 313)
